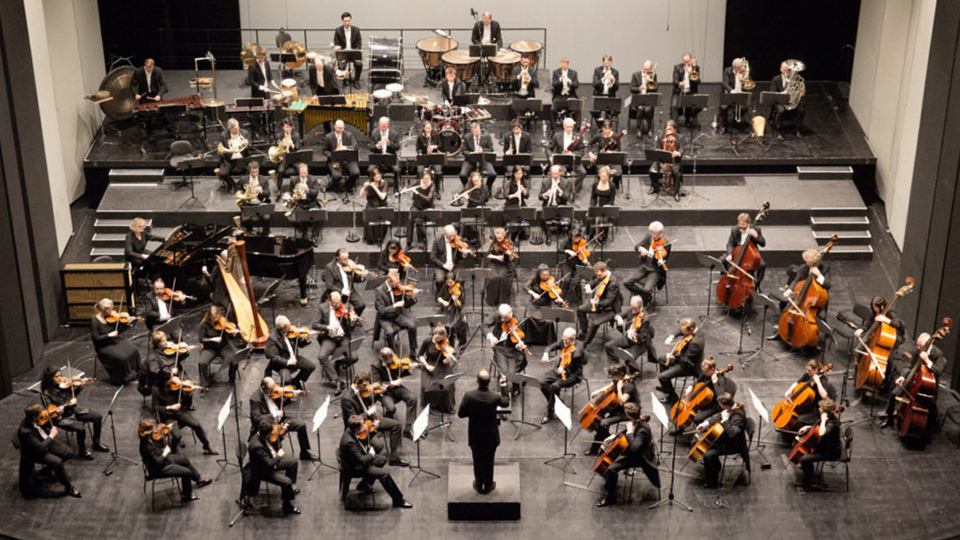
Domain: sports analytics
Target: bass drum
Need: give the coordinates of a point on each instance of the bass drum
(386, 61)
(450, 139)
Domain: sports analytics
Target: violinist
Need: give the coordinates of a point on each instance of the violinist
(389, 371)
(361, 400)
(540, 296)
(437, 360)
(216, 343)
(445, 255)
(822, 389)
(374, 191)
(717, 382)
(685, 356)
(393, 257)
(569, 142)
(336, 324)
(428, 142)
(606, 141)
(670, 142)
(39, 445)
(566, 369)
(601, 303)
(555, 191)
(627, 392)
(162, 462)
(283, 354)
(575, 254)
(268, 404)
(828, 446)
(502, 257)
(422, 199)
(172, 401)
(906, 370)
(394, 302)
(733, 440)
(361, 458)
(641, 452)
(268, 463)
(738, 237)
(167, 356)
(57, 390)
(877, 305)
(451, 301)
(506, 340)
(341, 274)
(636, 337)
(156, 310)
(652, 271)
(118, 356)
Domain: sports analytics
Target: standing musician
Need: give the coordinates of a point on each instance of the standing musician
(652, 271)
(822, 389)
(422, 199)
(684, 358)
(361, 458)
(606, 141)
(602, 304)
(288, 138)
(389, 372)
(451, 300)
(877, 305)
(483, 429)
(627, 392)
(147, 83)
(566, 369)
(779, 113)
(347, 36)
(386, 141)
(260, 76)
(509, 350)
(603, 192)
(486, 31)
(476, 143)
(502, 257)
(906, 370)
(39, 444)
(59, 391)
(525, 82)
(437, 362)
(335, 325)
(268, 404)
(828, 447)
(738, 237)
(215, 344)
(555, 191)
(451, 87)
(161, 461)
(670, 142)
(374, 190)
(361, 400)
(445, 255)
(173, 406)
(283, 354)
(394, 301)
(636, 337)
(259, 187)
(305, 190)
(641, 83)
(733, 78)
(340, 139)
(686, 81)
(237, 144)
(119, 357)
(733, 440)
(606, 79)
(428, 142)
(135, 243)
(568, 142)
(341, 274)
(323, 82)
(564, 83)
(641, 452)
(268, 463)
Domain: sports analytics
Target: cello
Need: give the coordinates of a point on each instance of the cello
(872, 364)
(798, 322)
(808, 441)
(709, 437)
(735, 288)
(697, 398)
(605, 401)
(920, 392)
(785, 412)
(611, 450)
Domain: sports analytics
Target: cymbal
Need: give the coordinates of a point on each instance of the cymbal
(212, 102)
(117, 84)
(101, 94)
(249, 52)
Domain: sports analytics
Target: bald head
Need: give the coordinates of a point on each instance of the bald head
(483, 378)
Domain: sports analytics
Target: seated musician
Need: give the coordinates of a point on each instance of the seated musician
(215, 344)
(437, 363)
(260, 76)
(323, 81)
(268, 463)
(828, 447)
(384, 140)
(651, 272)
(389, 372)
(135, 243)
(636, 338)
(540, 297)
(778, 113)
(518, 189)
(572, 258)
(606, 141)
(517, 141)
(56, 391)
(555, 191)
(738, 237)
(451, 298)
(797, 274)
(509, 351)
(428, 142)
(477, 142)
(451, 87)
(906, 370)
(683, 360)
(732, 81)
(361, 400)
(640, 452)
(237, 146)
(422, 198)
(334, 327)
(684, 84)
(147, 83)
(603, 301)
(39, 445)
(167, 357)
(341, 274)
(877, 305)
(675, 169)
(374, 191)
(283, 355)
(566, 369)
(305, 191)
(347, 36)
(361, 458)
(256, 189)
(486, 31)
(264, 406)
(162, 461)
(390, 258)
(626, 391)
(174, 406)
(393, 304)
(822, 389)
(569, 143)
(340, 139)
(603, 192)
(606, 79)
(639, 85)
(119, 357)
(718, 383)
(290, 139)
(733, 440)
(564, 83)
(475, 192)
(525, 81)
(444, 256)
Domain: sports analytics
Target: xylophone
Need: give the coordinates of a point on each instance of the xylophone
(356, 112)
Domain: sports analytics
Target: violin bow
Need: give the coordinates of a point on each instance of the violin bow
(172, 290)
(225, 321)
(176, 360)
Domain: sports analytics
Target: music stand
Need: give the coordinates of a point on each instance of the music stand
(710, 262)
(558, 214)
(773, 99)
(380, 216)
(572, 105)
(567, 161)
(190, 165)
(261, 212)
(310, 217)
(347, 155)
(512, 160)
(607, 108)
(731, 100)
(419, 432)
(466, 99)
(528, 110)
(522, 380)
(304, 155)
(520, 216)
(697, 101)
(480, 157)
(438, 386)
(608, 213)
(559, 315)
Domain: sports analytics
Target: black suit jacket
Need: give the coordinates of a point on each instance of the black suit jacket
(323, 313)
(531, 86)
(495, 35)
(330, 142)
(384, 300)
(32, 446)
(448, 95)
(734, 438)
(480, 406)
(393, 141)
(734, 239)
(640, 447)
(333, 280)
(803, 272)
(637, 83)
(438, 253)
(577, 360)
(776, 84)
(423, 143)
(340, 38)
(729, 79)
(260, 409)
(610, 299)
(138, 84)
(151, 310)
(692, 354)
(255, 79)
(486, 142)
(350, 404)
(649, 261)
(678, 73)
(509, 141)
(354, 454)
(262, 462)
(566, 186)
(557, 84)
(598, 84)
(276, 350)
(151, 452)
(294, 138)
(313, 191)
(557, 147)
(331, 86)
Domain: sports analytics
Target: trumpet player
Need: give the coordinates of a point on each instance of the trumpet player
(233, 146)
(641, 83)
(303, 195)
(256, 190)
(733, 78)
(564, 83)
(288, 141)
(341, 139)
(686, 81)
(606, 79)
(525, 83)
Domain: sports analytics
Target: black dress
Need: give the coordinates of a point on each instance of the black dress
(442, 397)
(422, 200)
(600, 197)
(373, 234)
(118, 356)
(500, 288)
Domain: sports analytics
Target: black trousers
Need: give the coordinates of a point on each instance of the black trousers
(483, 458)
(509, 360)
(337, 182)
(711, 465)
(667, 375)
(303, 368)
(182, 467)
(592, 321)
(613, 474)
(78, 425)
(391, 430)
(645, 120)
(397, 394)
(208, 355)
(372, 473)
(603, 430)
(54, 461)
(392, 327)
(643, 282)
(186, 418)
(552, 383)
(807, 464)
(285, 476)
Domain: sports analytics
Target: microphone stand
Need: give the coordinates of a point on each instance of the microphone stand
(671, 497)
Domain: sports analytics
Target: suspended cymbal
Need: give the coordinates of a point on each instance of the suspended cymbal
(249, 52)
(212, 102)
(295, 48)
(117, 83)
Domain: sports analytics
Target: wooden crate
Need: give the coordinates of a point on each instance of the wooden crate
(84, 284)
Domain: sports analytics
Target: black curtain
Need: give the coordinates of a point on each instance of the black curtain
(820, 33)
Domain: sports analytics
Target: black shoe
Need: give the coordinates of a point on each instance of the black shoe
(204, 482)
(87, 455)
(289, 508)
(546, 419)
(307, 456)
(709, 485)
(296, 490)
(189, 498)
(668, 400)
(590, 452)
(548, 241)
(886, 422)
(402, 503)
(207, 451)
(340, 388)
(606, 502)
(73, 492)
(399, 463)
(489, 488)
(98, 447)
(477, 487)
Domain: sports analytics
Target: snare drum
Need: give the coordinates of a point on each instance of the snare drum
(450, 139)
(290, 92)
(503, 65)
(463, 63)
(382, 95)
(395, 88)
(432, 48)
(528, 48)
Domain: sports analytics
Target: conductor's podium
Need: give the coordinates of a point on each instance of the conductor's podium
(501, 504)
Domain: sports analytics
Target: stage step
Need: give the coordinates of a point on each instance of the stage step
(116, 253)
(839, 223)
(851, 252)
(108, 225)
(822, 172)
(843, 237)
(147, 177)
(838, 211)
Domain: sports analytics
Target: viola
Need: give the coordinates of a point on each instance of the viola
(786, 412)
(611, 450)
(161, 431)
(124, 318)
(659, 250)
(566, 356)
(178, 348)
(373, 389)
(605, 401)
(696, 399)
(368, 429)
(286, 392)
(736, 286)
(599, 292)
(504, 246)
(635, 324)
(400, 290)
(514, 334)
(279, 430)
(678, 348)
(74, 382)
(447, 349)
(402, 364)
(343, 311)
(223, 325)
(808, 442)
(920, 392)
(461, 246)
(582, 253)
(177, 384)
(798, 322)
(53, 412)
(456, 294)
(357, 268)
(872, 364)
(709, 437)
(300, 332)
(550, 287)
(169, 294)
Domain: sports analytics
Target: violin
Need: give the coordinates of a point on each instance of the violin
(515, 334)
(400, 290)
(611, 450)
(178, 348)
(736, 286)
(343, 311)
(808, 442)
(566, 356)
(460, 245)
(786, 412)
(357, 268)
(161, 431)
(599, 292)
(223, 325)
(456, 294)
(678, 348)
(659, 249)
(920, 393)
(635, 324)
(374, 388)
(709, 437)
(504, 246)
(125, 318)
(605, 401)
(872, 364)
(300, 332)
(403, 260)
(402, 364)
(279, 430)
(696, 399)
(177, 384)
(580, 250)
(447, 349)
(169, 294)
(368, 429)
(286, 392)
(74, 382)
(550, 287)
(54, 411)
(798, 323)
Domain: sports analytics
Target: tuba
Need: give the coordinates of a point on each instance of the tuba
(250, 194)
(694, 70)
(652, 80)
(797, 86)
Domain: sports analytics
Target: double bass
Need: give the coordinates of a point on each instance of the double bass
(872, 364)
(920, 392)
(808, 441)
(735, 288)
(612, 449)
(696, 399)
(798, 322)
(786, 412)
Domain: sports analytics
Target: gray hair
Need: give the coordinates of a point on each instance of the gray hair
(636, 301)
(656, 226)
(281, 320)
(504, 309)
(570, 331)
(232, 123)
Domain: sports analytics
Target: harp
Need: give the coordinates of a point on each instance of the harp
(236, 279)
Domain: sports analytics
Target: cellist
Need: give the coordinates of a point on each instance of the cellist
(877, 305)
(738, 237)
(566, 369)
(822, 389)
(626, 393)
(732, 441)
(717, 382)
(682, 360)
(935, 362)
(828, 447)
(813, 265)
(641, 452)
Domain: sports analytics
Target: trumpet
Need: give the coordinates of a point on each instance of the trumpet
(238, 144)
(694, 70)
(651, 79)
(278, 152)
(607, 80)
(524, 78)
(250, 194)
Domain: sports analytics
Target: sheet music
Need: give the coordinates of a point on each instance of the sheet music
(224, 412)
(321, 414)
(420, 424)
(562, 412)
(659, 410)
(758, 405)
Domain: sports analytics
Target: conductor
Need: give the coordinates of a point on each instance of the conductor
(480, 406)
